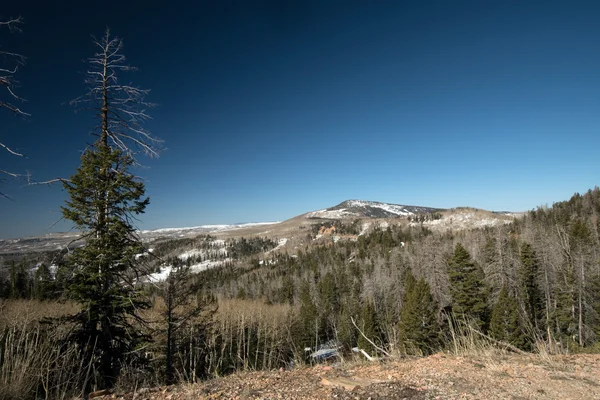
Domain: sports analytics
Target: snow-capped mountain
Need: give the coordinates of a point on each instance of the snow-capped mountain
(369, 209)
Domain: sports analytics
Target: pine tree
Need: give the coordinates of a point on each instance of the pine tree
(308, 326)
(505, 323)
(594, 320)
(182, 311)
(368, 326)
(20, 282)
(530, 291)
(43, 286)
(329, 303)
(104, 196)
(564, 313)
(418, 327)
(469, 294)
(4, 288)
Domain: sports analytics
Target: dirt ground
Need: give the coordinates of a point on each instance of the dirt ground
(441, 376)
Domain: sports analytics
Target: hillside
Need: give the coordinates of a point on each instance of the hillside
(271, 296)
(441, 376)
(349, 210)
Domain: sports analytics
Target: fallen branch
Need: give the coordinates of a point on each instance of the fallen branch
(369, 340)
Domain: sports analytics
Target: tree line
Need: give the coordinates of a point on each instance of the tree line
(532, 282)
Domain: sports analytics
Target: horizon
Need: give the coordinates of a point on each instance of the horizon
(272, 110)
(254, 223)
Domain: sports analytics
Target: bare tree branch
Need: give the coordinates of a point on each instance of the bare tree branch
(11, 151)
(121, 108)
(9, 173)
(48, 182)
(13, 24)
(9, 66)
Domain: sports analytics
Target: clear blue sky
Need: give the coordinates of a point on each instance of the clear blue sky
(273, 108)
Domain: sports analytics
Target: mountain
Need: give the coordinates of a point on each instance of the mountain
(369, 209)
(376, 214)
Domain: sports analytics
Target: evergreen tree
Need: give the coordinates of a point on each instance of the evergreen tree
(329, 303)
(594, 320)
(530, 292)
(182, 310)
(418, 327)
(469, 294)
(104, 196)
(308, 326)
(20, 282)
(563, 315)
(505, 323)
(4, 288)
(43, 286)
(368, 326)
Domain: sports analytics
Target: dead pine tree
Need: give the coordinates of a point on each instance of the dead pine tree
(121, 108)
(104, 198)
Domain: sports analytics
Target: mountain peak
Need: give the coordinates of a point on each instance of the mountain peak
(368, 209)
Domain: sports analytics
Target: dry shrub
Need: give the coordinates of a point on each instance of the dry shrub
(465, 341)
(250, 335)
(26, 312)
(35, 362)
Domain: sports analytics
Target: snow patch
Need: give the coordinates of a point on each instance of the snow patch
(189, 254)
(391, 208)
(207, 228)
(208, 264)
(331, 214)
(280, 244)
(199, 267)
(464, 220)
(364, 228)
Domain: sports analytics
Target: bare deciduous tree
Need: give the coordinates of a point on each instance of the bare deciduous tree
(9, 66)
(11, 62)
(121, 108)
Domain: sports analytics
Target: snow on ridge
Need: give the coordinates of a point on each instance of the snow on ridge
(161, 230)
(391, 208)
(338, 213)
(189, 254)
(209, 228)
(280, 244)
(164, 272)
(208, 264)
(465, 220)
(331, 214)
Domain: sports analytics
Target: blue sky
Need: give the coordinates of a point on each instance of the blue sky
(270, 109)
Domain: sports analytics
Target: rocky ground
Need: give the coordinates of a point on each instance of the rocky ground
(441, 376)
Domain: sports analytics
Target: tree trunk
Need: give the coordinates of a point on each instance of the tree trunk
(169, 363)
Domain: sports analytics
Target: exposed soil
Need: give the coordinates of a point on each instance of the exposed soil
(441, 376)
